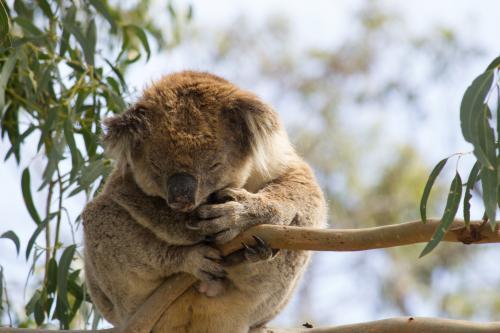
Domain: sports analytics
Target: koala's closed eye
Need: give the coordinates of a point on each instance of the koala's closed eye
(216, 166)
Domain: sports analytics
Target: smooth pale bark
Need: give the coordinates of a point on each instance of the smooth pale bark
(294, 238)
(297, 238)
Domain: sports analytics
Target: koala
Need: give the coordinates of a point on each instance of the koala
(197, 161)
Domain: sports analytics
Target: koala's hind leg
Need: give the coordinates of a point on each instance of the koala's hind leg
(99, 298)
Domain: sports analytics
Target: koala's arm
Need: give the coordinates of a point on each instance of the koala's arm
(151, 212)
(293, 197)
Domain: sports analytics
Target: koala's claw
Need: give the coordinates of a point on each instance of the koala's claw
(192, 226)
(259, 252)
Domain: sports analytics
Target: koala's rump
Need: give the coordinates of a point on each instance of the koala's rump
(255, 294)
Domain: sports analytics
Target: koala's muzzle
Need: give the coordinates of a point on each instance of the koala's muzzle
(181, 191)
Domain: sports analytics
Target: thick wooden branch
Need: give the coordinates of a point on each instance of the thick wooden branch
(403, 325)
(294, 238)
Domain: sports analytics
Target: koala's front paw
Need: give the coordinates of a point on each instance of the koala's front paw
(205, 263)
(222, 222)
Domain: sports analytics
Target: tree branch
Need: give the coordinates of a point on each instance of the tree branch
(298, 238)
(402, 325)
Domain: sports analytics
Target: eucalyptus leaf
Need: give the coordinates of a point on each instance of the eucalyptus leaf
(62, 274)
(142, 37)
(471, 111)
(489, 184)
(4, 22)
(13, 237)
(102, 7)
(7, 69)
(494, 64)
(473, 178)
(35, 235)
(452, 203)
(28, 199)
(428, 186)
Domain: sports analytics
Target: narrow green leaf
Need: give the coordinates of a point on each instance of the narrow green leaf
(4, 22)
(485, 145)
(34, 236)
(7, 69)
(28, 199)
(189, 15)
(62, 274)
(118, 73)
(30, 306)
(13, 237)
(75, 153)
(428, 186)
(142, 37)
(44, 5)
(470, 185)
(489, 184)
(94, 170)
(52, 276)
(471, 107)
(86, 40)
(91, 41)
(28, 27)
(15, 147)
(38, 311)
(450, 212)
(494, 64)
(102, 8)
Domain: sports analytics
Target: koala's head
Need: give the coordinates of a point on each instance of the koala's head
(189, 135)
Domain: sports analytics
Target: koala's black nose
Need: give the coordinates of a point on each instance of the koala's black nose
(181, 191)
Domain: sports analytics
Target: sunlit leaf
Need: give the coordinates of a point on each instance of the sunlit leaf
(142, 37)
(452, 203)
(428, 186)
(13, 237)
(28, 26)
(7, 69)
(494, 64)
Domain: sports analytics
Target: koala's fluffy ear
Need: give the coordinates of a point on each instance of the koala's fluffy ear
(258, 130)
(125, 132)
